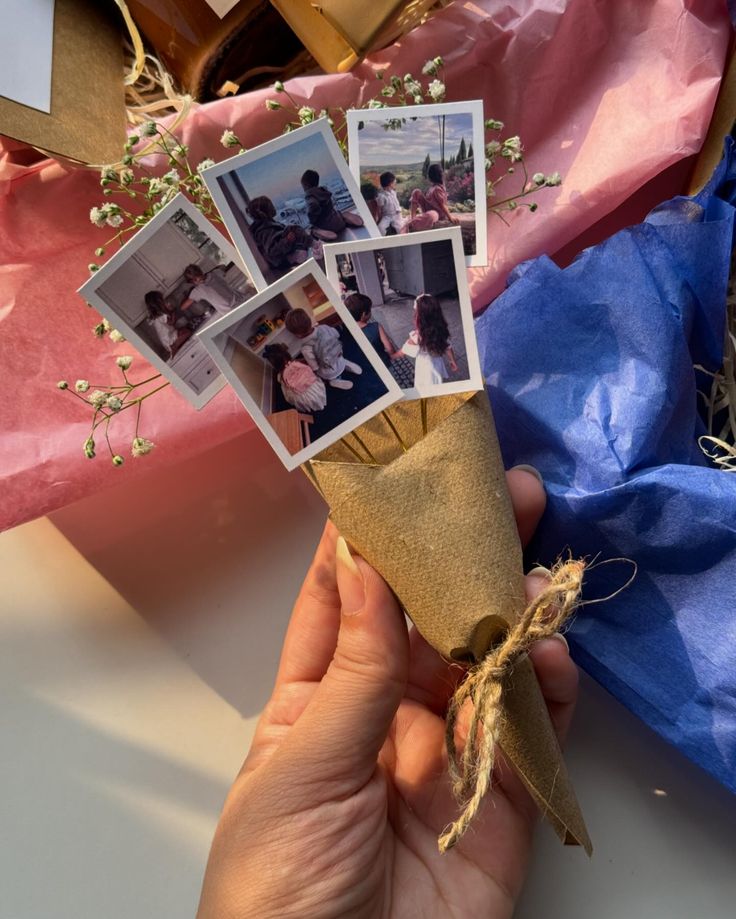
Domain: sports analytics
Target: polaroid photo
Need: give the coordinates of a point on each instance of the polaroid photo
(422, 167)
(174, 277)
(283, 200)
(409, 295)
(300, 365)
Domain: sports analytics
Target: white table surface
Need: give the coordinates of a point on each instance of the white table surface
(139, 635)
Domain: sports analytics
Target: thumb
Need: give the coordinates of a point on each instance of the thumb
(351, 712)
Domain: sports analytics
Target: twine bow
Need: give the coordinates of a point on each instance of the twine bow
(471, 771)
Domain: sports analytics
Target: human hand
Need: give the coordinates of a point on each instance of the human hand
(337, 809)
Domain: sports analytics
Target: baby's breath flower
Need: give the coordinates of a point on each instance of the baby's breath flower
(306, 114)
(229, 139)
(117, 460)
(171, 177)
(127, 160)
(492, 124)
(97, 217)
(538, 178)
(149, 129)
(99, 251)
(133, 140)
(436, 90)
(388, 91)
(513, 205)
(493, 148)
(107, 174)
(488, 165)
(511, 148)
(92, 267)
(429, 69)
(272, 105)
(62, 384)
(418, 99)
(533, 207)
(490, 190)
(155, 187)
(141, 446)
(439, 62)
(89, 448)
(97, 398)
(114, 403)
(181, 150)
(412, 87)
(101, 327)
(168, 194)
(124, 361)
(115, 221)
(554, 179)
(205, 164)
(376, 103)
(127, 176)
(81, 385)
(116, 336)
(278, 86)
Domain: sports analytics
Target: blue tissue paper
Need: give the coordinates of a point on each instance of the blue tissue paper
(590, 374)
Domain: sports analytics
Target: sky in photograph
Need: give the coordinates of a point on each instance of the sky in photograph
(413, 141)
(277, 174)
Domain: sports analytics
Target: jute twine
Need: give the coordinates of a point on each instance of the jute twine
(719, 444)
(471, 772)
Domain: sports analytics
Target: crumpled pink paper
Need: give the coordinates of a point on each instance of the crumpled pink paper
(608, 94)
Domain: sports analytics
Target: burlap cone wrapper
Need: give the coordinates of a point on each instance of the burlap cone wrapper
(435, 519)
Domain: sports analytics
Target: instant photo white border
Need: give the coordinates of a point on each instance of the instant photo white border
(212, 332)
(453, 234)
(475, 109)
(211, 175)
(88, 290)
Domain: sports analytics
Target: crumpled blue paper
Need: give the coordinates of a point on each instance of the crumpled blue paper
(590, 373)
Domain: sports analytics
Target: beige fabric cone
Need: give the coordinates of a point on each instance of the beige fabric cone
(431, 512)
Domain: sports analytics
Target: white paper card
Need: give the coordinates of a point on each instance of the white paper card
(222, 7)
(26, 52)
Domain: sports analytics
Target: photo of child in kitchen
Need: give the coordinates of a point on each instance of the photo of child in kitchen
(300, 365)
(282, 204)
(165, 286)
(405, 298)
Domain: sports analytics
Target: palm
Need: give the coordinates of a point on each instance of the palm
(321, 825)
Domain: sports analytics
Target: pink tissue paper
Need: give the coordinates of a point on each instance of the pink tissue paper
(608, 94)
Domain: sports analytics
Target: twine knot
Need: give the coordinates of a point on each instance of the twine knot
(471, 771)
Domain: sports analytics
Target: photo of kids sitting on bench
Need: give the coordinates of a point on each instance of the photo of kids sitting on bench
(297, 360)
(418, 169)
(282, 201)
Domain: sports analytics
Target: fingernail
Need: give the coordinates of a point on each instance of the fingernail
(539, 571)
(560, 637)
(349, 580)
(524, 467)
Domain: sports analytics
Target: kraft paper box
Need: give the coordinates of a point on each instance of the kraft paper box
(87, 118)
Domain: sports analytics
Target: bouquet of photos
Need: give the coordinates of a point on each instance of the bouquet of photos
(341, 317)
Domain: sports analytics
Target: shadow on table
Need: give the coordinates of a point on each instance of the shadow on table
(207, 552)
